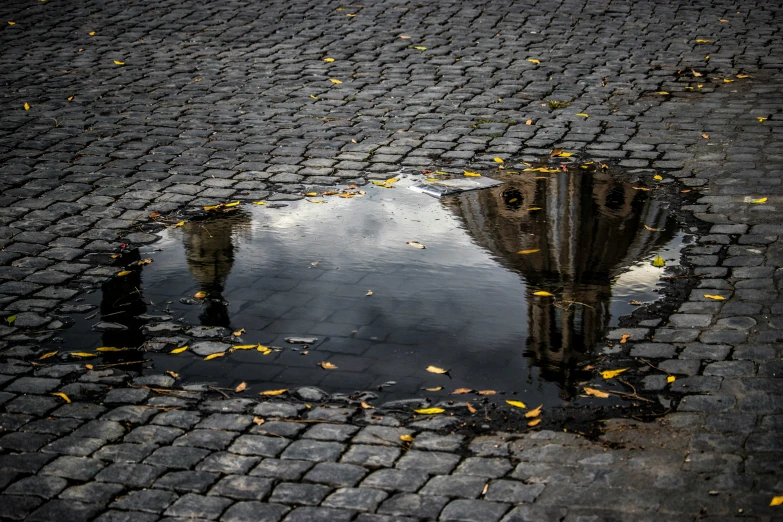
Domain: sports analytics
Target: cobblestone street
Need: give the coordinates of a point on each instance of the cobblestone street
(113, 111)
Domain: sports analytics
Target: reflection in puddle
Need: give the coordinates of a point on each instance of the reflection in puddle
(464, 303)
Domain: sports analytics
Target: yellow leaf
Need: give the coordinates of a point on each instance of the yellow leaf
(471, 409)
(26, 106)
(10, 319)
(530, 122)
(214, 356)
(743, 76)
(179, 350)
(583, 114)
(723, 21)
(705, 136)
(47, 355)
(416, 244)
(272, 393)
(609, 374)
(406, 438)
(726, 80)
(776, 501)
(534, 422)
(69, 98)
(88, 366)
(706, 58)
(695, 73)
(317, 201)
(200, 295)
(715, 297)
(245, 347)
(487, 392)
(459, 391)
(239, 332)
(437, 388)
(326, 365)
(91, 33)
(242, 387)
(565, 155)
(662, 93)
(11, 23)
(117, 62)
(311, 194)
(471, 174)
(596, 393)
(534, 413)
(258, 421)
(670, 378)
(259, 202)
(404, 36)
(366, 406)
(110, 349)
(624, 338)
(531, 209)
(123, 273)
(517, 404)
(81, 354)
(328, 60)
(212, 207)
(435, 369)
(264, 350)
(62, 396)
(658, 177)
(430, 411)
(232, 204)
(172, 374)
(498, 160)
(541, 293)
(531, 251)
(533, 60)
(703, 41)
(647, 227)
(420, 48)
(335, 81)
(313, 96)
(758, 201)
(761, 119)
(658, 262)
(180, 224)
(351, 14)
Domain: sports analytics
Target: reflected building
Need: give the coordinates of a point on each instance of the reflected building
(210, 247)
(587, 227)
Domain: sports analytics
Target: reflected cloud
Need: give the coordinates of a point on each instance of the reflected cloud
(587, 227)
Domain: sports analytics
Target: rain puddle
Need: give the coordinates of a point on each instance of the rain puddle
(381, 310)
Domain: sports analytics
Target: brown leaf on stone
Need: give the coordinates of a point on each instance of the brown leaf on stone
(258, 421)
(471, 409)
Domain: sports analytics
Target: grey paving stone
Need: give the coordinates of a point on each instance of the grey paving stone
(18, 507)
(228, 463)
(176, 457)
(416, 506)
(315, 451)
(134, 475)
(381, 435)
(125, 452)
(242, 487)
(254, 512)
(258, 445)
(148, 501)
(333, 432)
(70, 510)
(153, 435)
(93, 492)
(371, 456)
(299, 494)
(459, 486)
(513, 492)
(76, 468)
(207, 439)
(126, 516)
(197, 506)
(44, 487)
(307, 514)
(429, 462)
(187, 481)
(484, 467)
(336, 475)
(473, 510)
(225, 421)
(359, 499)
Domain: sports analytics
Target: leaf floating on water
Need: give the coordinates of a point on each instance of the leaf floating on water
(541, 293)
(715, 297)
(110, 349)
(326, 365)
(172, 374)
(487, 392)
(471, 409)
(47, 355)
(273, 393)
(335, 81)
(596, 393)
(430, 411)
(671, 378)
(406, 438)
(609, 374)
(471, 174)
(531, 251)
(435, 369)
(758, 201)
(658, 262)
(81, 354)
(534, 413)
(179, 350)
(416, 244)
(460, 391)
(517, 404)
(776, 501)
(214, 356)
(242, 387)
(647, 227)
(624, 338)
(239, 332)
(200, 295)
(63, 397)
(123, 273)
(437, 388)
(534, 422)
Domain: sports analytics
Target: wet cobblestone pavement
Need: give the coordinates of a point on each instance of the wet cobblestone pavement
(170, 106)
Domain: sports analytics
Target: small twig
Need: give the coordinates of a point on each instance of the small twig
(103, 366)
(652, 365)
(629, 385)
(629, 395)
(219, 391)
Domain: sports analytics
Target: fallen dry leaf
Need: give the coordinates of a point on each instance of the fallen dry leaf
(62, 396)
(596, 393)
(529, 122)
(555, 152)
(776, 501)
(471, 409)
(110, 349)
(534, 413)
(81, 354)
(430, 411)
(609, 374)
(534, 422)
(583, 114)
(487, 392)
(214, 356)
(624, 338)
(658, 262)
(470, 174)
(123, 273)
(239, 332)
(117, 62)
(328, 60)
(460, 391)
(326, 365)
(437, 388)
(258, 421)
(758, 201)
(367, 406)
(26, 106)
(671, 378)
(272, 393)
(179, 350)
(172, 374)
(335, 81)
(715, 297)
(153, 215)
(369, 292)
(705, 136)
(531, 251)
(242, 387)
(416, 244)
(541, 293)
(406, 438)
(533, 60)
(47, 355)
(647, 227)
(498, 160)
(517, 404)
(435, 369)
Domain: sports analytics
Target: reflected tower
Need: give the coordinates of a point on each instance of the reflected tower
(584, 227)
